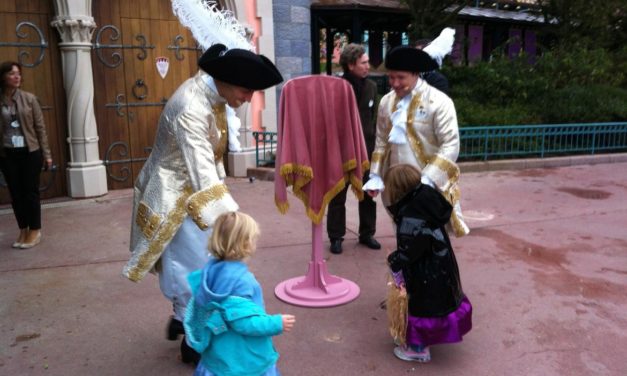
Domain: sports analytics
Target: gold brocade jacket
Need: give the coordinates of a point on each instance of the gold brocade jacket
(183, 174)
(432, 143)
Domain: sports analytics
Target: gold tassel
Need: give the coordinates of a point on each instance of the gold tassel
(397, 313)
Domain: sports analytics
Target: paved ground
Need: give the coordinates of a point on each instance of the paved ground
(545, 267)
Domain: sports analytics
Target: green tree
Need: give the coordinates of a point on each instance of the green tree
(581, 23)
(429, 17)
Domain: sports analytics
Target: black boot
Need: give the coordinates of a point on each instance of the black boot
(189, 355)
(175, 328)
(336, 246)
(370, 242)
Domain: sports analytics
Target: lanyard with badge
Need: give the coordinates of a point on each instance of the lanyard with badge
(17, 140)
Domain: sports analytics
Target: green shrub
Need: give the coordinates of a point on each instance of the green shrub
(565, 85)
(619, 69)
(577, 66)
(500, 82)
(470, 113)
(595, 103)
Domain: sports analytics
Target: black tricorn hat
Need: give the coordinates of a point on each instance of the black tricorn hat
(239, 67)
(409, 59)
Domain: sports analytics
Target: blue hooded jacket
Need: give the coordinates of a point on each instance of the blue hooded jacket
(226, 321)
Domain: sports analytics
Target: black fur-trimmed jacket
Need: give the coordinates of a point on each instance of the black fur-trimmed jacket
(424, 253)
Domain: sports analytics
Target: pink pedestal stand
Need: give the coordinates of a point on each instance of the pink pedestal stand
(317, 288)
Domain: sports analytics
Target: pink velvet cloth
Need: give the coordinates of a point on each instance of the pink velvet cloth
(321, 145)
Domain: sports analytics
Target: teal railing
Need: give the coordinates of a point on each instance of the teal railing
(500, 142)
(265, 148)
(511, 141)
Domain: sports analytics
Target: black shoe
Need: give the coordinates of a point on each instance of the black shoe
(189, 355)
(175, 328)
(370, 242)
(336, 246)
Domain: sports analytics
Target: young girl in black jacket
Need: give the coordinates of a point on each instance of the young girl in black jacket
(424, 269)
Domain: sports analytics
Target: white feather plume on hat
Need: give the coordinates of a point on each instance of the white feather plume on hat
(210, 25)
(441, 46)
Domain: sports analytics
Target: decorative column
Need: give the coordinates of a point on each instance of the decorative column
(86, 173)
(261, 114)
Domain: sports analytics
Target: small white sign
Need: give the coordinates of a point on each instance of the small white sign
(163, 64)
(18, 141)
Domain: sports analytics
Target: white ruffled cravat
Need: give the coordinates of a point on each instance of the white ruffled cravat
(398, 133)
(234, 124)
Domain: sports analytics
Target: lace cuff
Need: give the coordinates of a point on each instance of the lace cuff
(374, 183)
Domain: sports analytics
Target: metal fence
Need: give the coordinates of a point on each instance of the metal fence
(500, 142)
(511, 141)
(265, 148)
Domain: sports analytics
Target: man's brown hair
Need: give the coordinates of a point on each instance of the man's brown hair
(350, 54)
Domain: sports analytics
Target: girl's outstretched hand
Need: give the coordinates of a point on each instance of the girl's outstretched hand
(288, 322)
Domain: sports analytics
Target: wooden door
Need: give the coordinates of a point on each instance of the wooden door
(27, 37)
(129, 91)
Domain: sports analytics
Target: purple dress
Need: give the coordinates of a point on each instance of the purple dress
(427, 331)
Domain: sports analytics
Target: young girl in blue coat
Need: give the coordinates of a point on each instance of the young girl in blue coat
(226, 320)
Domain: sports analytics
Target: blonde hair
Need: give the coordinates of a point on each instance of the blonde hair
(399, 180)
(234, 236)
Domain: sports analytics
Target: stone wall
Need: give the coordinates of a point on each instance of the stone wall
(292, 37)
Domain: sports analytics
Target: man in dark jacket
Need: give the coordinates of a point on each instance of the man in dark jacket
(355, 63)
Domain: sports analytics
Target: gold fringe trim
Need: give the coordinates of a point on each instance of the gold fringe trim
(282, 206)
(357, 183)
(305, 175)
(316, 218)
(349, 165)
(396, 307)
(220, 114)
(365, 165)
(295, 175)
(166, 232)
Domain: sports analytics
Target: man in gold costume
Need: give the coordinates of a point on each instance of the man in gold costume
(417, 125)
(180, 190)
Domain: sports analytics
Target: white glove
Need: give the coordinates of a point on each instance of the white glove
(398, 133)
(374, 183)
